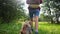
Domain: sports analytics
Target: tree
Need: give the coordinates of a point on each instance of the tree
(9, 10)
(54, 5)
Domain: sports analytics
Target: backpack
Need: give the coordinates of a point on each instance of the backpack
(34, 1)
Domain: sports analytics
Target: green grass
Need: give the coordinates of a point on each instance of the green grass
(10, 28)
(44, 28)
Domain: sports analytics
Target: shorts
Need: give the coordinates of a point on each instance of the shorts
(34, 12)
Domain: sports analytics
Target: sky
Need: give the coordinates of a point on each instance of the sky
(25, 6)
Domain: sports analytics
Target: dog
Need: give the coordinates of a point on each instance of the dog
(26, 29)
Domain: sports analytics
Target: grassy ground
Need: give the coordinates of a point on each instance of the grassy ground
(44, 28)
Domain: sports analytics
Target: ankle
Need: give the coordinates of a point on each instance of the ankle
(36, 30)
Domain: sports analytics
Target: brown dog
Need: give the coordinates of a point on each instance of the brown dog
(26, 29)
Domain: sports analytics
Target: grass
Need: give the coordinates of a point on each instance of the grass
(10, 28)
(44, 28)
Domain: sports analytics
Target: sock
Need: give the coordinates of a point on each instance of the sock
(36, 30)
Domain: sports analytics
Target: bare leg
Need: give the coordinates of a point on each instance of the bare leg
(36, 23)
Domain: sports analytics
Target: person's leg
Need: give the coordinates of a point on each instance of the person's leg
(36, 20)
(31, 17)
(31, 23)
(36, 23)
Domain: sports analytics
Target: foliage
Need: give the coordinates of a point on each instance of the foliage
(52, 8)
(9, 10)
